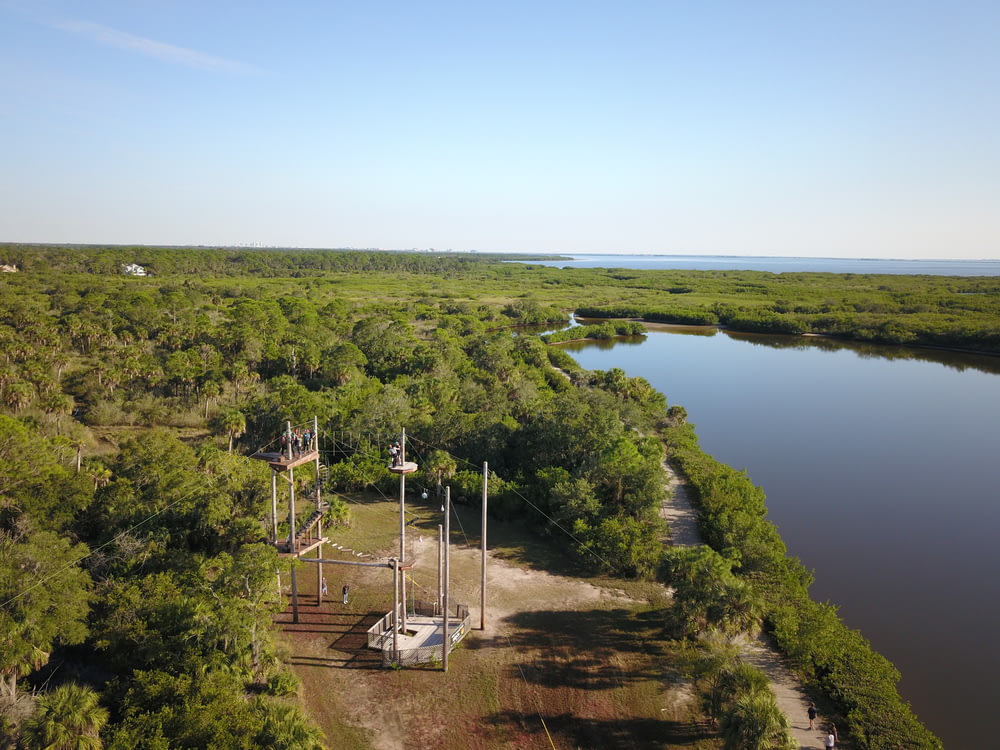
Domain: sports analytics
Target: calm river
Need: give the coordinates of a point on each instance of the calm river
(881, 475)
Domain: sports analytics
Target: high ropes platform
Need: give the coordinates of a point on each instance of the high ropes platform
(430, 632)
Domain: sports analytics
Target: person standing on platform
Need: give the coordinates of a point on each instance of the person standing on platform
(322, 587)
(347, 590)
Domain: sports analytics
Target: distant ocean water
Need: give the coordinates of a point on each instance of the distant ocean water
(776, 264)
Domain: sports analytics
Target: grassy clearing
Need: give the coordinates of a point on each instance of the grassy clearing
(564, 660)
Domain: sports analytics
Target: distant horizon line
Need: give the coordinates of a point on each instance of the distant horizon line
(474, 251)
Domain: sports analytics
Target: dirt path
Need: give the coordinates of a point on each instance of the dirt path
(792, 700)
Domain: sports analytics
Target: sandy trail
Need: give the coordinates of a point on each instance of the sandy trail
(792, 700)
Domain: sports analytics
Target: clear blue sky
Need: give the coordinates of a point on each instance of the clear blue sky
(851, 128)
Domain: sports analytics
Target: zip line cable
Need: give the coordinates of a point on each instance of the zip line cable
(583, 545)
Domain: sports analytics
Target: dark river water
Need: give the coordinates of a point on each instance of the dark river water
(880, 467)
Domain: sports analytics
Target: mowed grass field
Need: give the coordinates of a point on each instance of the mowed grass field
(563, 661)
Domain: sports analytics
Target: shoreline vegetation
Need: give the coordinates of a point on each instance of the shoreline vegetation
(134, 577)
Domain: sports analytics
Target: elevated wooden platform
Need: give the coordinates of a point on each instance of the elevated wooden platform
(301, 546)
(281, 462)
(407, 467)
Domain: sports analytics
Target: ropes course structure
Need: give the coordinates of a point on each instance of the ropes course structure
(344, 445)
(299, 446)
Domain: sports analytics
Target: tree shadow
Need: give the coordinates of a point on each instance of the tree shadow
(579, 649)
(346, 638)
(627, 734)
(506, 540)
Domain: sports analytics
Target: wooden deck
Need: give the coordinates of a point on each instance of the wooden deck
(281, 462)
(407, 467)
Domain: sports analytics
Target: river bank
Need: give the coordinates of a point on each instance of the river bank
(682, 517)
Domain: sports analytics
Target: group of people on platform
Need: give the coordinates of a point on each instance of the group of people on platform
(296, 442)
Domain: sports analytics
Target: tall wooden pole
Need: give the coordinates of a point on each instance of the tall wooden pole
(291, 510)
(437, 603)
(447, 570)
(319, 509)
(395, 610)
(402, 521)
(274, 506)
(292, 546)
(482, 584)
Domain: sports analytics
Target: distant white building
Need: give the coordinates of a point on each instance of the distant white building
(8, 268)
(133, 269)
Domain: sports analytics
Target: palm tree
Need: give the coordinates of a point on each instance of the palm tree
(756, 723)
(68, 718)
(18, 395)
(234, 423)
(442, 465)
(730, 682)
(285, 728)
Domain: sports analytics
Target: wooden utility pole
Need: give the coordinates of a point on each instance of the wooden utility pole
(402, 519)
(319, 509)
(446, 641)
(291, 494)
(482, 584)
(395, 611)
(274, 506)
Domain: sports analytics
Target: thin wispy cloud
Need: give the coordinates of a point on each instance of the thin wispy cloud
(168, 53)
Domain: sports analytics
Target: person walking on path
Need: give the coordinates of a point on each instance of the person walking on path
(831, 740)
(812, 715)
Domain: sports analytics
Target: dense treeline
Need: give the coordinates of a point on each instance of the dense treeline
(945, 311)
(596, 331)
(231, 262)
(954, 312)
(126, 404)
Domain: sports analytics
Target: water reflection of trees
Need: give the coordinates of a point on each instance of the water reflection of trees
(960, 361)
(581, 344)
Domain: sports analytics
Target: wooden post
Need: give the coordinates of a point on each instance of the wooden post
(437, 602)
(319, 524)
(274, 506)
(402, 522)
(319, 565)
(447, 560)
(395, 611)
(292, 547)
(482, 584)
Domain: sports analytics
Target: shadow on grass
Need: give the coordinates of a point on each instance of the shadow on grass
(506, 540)
(346, 637)
(576, 649)
(594, 733)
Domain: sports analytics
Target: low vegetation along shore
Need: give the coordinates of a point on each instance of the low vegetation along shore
(138, 605)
